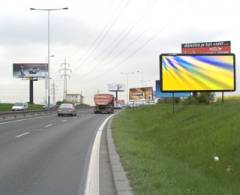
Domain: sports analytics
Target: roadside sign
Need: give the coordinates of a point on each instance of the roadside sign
(207, 47)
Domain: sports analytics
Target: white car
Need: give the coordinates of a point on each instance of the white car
(19, 106)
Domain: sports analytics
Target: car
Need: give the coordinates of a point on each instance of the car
(34, 70)
(20, 106)
(66, 109)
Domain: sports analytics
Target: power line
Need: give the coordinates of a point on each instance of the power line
(117, 41)
(102, 36)
(135, 51)
(102, 30)
(65, 74)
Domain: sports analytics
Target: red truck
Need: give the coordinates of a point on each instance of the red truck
(104, 103)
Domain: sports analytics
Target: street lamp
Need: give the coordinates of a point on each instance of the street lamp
(141, 77)
(48, 11)
(127, 73)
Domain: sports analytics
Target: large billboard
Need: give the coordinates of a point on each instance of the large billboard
(199, 72)
(30, 70)
(207, 47)
(138, 94)
(160, 94)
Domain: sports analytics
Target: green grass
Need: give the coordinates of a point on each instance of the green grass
(35, 107)
(5, 107)
(172, 154)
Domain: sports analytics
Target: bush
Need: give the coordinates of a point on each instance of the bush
(206, 97)
(170, 100)
(200, 98)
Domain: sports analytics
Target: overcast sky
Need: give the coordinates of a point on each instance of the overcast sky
(101, 39)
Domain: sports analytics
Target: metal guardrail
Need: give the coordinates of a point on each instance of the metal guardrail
(22, 114)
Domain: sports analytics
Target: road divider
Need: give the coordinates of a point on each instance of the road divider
(19, 120)
(23, 114)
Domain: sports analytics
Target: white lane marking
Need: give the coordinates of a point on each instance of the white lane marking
(64, 121)
(23, 134)
(23, 119)
(92, 184)
(49, 125)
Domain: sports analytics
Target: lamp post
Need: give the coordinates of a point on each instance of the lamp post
(48, 11)
(127, 73)
(141, 77)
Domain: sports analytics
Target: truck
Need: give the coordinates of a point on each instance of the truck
(104, 103)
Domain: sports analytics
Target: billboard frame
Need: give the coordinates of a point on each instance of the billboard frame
(28, 66)
(202, 54)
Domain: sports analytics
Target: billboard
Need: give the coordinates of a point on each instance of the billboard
(160, 94)
(30, 70)
(144, 93)
(116, 87)
(207, 47)
(197, 72)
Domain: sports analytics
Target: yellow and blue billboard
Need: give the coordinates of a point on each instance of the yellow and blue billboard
(197, 72)
(160, 94)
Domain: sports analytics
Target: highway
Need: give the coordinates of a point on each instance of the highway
(50, 155)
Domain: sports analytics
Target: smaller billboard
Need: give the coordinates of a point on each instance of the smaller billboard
(139, 94)
(160, 94)
(207, 47)
(30, 70)
(116, 87)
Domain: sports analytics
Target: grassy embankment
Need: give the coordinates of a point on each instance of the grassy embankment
(5, 107)
(173, 154)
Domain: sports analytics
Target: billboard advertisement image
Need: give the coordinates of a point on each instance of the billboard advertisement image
(200, 72)
(30, 70)
(160, 94)
(144, 93)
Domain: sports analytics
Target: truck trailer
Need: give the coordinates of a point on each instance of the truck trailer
(104, 103)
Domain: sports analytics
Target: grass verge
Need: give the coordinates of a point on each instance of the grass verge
(5, 107)
(173, 154)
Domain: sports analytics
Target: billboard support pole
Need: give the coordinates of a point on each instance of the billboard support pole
(222, 96)
(31, 90)
(173, 103)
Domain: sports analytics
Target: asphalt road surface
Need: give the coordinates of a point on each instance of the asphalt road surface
(50, 155)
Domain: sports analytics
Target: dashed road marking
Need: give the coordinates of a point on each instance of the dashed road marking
(49, 125)
(23, 134)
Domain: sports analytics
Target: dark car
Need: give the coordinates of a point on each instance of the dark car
(34, 70)
(66, 109)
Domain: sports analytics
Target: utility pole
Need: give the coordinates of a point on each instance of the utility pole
(65, 74)
(53, 93)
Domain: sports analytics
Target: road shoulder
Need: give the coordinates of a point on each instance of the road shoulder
(119, 175)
